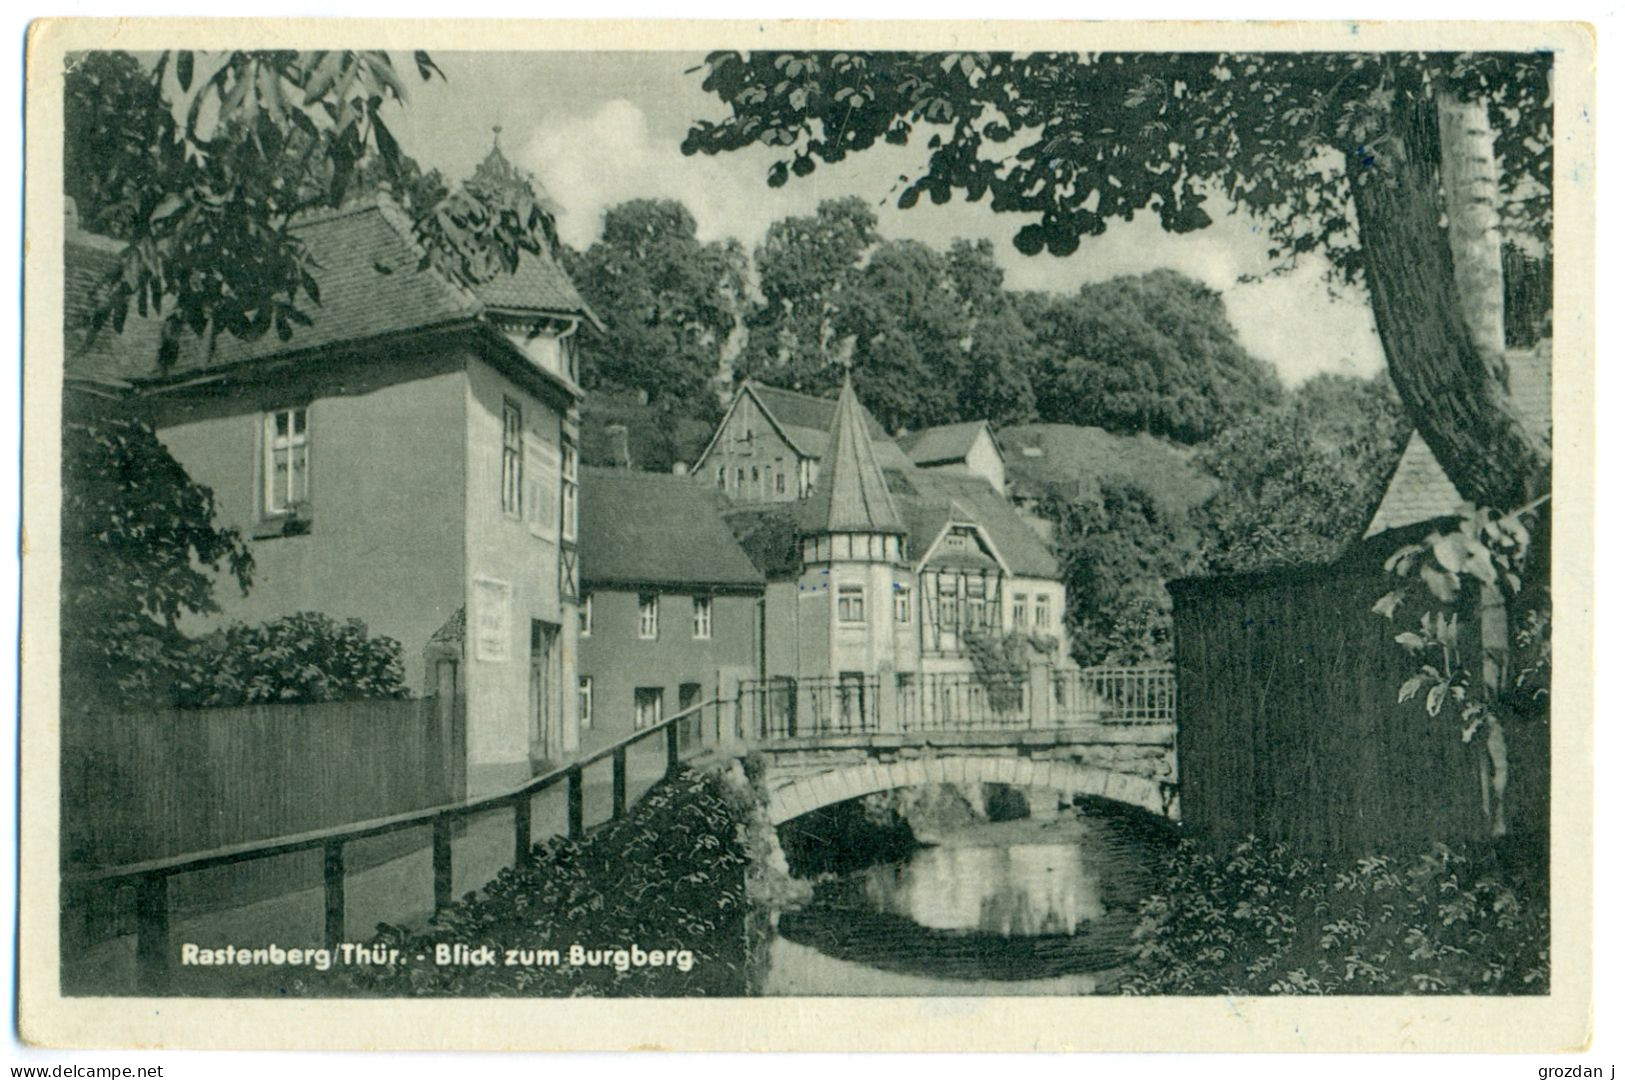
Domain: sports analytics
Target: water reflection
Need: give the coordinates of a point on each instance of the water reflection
(1017, 891)
(1007, 908)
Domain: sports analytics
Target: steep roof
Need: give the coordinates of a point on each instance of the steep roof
(1022, 549)
(1419, 490)
(642, 528)
(850, 494)
(944, 443)
(805, 420)
(372, 284)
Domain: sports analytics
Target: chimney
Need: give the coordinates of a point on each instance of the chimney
(620, 449)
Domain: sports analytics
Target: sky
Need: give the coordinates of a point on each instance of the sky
(599, 128)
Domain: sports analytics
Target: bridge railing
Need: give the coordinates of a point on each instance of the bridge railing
(786, 708)
(151, 878)
(1120, 694)
(968, 703)
(1040, 698)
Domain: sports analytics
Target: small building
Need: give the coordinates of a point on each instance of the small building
(770, 443)
(408, 459)
(968, 447)
(671, 611)
(1420, 497)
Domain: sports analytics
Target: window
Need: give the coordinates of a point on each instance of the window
(1018, 611)
(646, 706)
(739, 478)
(287, 460)
(849, 604)
(722, 477)
(512, 472)
(584, 616)
(755, 477)
(902, 603)
(702, 616)
(584, 701)
(571, 488)
(778, 483)
(648, 616)
(1041, 611)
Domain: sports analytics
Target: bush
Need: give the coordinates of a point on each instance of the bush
(297, 659)
(1263, 922)
(669, 875)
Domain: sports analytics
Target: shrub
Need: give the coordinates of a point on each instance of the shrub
(297, 659)
(1260, 921)
(669, 875)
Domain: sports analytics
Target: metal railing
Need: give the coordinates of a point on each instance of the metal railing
(965, 703)
(1123, 694)
(787, 708)
(151, 877)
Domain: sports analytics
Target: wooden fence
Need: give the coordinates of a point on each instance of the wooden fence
(152, 784)
(1290, 728)
(149, 784)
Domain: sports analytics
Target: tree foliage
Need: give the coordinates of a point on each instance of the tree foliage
(201, 162)
(1118, 548)
(297, 659)
(140, 544)
(1335, 153)
(670, 302)
(1153, 353)
(1298, 482)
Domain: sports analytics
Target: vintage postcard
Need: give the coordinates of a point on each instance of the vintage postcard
(800, 536)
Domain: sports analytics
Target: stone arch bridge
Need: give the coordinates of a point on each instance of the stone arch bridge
(1132, 764)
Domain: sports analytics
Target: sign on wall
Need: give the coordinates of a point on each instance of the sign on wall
(493, 619)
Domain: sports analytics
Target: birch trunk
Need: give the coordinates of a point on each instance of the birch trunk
(1432, 254)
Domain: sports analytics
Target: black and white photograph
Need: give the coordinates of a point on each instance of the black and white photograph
(979, 516)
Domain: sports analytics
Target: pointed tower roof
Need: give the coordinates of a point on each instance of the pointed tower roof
(850, 495)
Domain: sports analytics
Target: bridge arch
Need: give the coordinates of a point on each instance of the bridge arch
(812, 791)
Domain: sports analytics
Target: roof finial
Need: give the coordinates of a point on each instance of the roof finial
(496, 136)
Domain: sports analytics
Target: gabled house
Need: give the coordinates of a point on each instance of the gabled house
(670, 611)
(882, 573)
(408, 459)
(968, 447)
(770, 443)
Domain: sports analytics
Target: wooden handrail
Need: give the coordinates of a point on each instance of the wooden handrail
(361, 830)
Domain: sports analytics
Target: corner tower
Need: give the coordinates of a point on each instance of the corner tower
(854, 556)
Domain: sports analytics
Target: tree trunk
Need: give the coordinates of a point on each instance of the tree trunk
(1446, 353)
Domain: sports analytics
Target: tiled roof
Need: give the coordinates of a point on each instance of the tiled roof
(537, 284)
(106, 358)
(850, 494)
(1022, 549)
(805, 421)
(642, 528)
(937, 445)
(368, 269)
(1419, 489)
